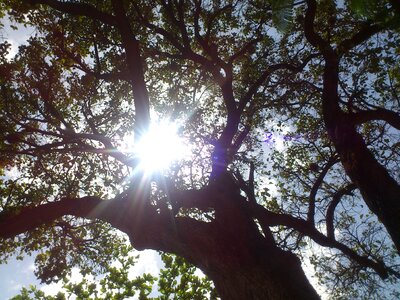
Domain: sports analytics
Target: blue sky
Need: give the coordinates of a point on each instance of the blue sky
(14, 37)
(17, 274)
(14, 275)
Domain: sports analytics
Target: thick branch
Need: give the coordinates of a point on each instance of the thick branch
(312, 36)
(87, 207)
(274, 219)
(361, 36)
(78, 9)
(135, 68)
(386, 115)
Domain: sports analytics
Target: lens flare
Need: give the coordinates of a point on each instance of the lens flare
(159, 147)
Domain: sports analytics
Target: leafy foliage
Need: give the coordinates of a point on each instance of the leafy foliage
(292, 102)
(177, 280)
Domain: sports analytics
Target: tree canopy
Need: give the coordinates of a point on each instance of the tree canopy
(289, 111)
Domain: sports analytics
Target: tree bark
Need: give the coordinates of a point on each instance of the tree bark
(257, 279)
(380, 191)
(242, 263)
(260, 273)
(230, 249)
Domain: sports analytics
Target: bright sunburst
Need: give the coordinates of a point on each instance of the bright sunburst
(159, 147)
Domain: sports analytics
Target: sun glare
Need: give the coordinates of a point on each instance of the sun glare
(159, 147)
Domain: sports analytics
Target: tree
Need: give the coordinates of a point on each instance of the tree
(327, 86)
(178, 280)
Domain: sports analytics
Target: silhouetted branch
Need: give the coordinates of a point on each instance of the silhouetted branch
(312, 36)
(313, 193)
(330, 213)
(359, 37)
(306, 228)
(383, 114)
(30, 218)
(78, 9)
(135, 68)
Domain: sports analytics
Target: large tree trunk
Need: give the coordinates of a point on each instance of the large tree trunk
(231, 250)
(242, 262)
(380, 191)
(260, 276)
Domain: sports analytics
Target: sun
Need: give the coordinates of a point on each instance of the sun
(159, 148)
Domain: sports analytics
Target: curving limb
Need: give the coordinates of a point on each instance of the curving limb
(135, 68)
(77, 9)
(31, 217)
(381, 193)
(330, 212)
(304, 227)
(314, 190)
(389, 116)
